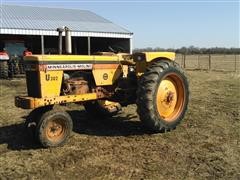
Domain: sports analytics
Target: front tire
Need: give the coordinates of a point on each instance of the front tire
(33, 118)
(54, 128)
(162, 96)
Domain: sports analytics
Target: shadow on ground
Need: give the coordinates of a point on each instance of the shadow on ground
(120, 125)
(17, 138)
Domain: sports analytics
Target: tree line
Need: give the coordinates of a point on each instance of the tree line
(193, 50)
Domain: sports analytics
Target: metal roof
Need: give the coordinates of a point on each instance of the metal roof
(45, 21)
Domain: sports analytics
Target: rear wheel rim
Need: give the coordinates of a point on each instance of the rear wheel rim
(56, 130)
(170, 97)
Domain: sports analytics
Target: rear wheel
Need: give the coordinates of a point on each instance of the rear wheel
(102, 108)
(54, 128)
(3, 69)
(21, 67)
(162, 96)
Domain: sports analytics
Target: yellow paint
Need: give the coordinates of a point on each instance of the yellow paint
(105, 102)
(32, 103)
(125, 71)
(109, 104)
(144, 59)
(106, 76)
(50, 83)
(60, 58)
(154, 55)
(165, 106)
(149, 56)
(170, 97)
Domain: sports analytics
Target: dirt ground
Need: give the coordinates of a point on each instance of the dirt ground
(206, 145)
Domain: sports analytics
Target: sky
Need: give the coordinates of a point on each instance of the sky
(162, 23)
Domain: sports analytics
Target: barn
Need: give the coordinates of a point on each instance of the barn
(35, 28)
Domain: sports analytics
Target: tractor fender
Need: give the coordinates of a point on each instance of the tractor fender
(144, 59)
(4, 56)
(151, 56)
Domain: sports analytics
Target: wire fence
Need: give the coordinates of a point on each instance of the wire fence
(211, 62)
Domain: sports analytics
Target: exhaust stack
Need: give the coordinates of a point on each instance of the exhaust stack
(68, 40)
(60, 31)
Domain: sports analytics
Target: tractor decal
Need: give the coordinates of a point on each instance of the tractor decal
(69, 67)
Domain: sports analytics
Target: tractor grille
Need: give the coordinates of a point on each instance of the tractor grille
(33, 82)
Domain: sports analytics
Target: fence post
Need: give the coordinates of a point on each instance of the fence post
(198, 62)
(209, 62)
(235, 63)
(184, 61)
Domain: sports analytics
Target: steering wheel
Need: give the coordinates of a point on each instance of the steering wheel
(116, 49)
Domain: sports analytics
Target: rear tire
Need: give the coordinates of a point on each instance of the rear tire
(162, 96)
(54, 128)
(10, 69)
(3, 69)
(21, 67)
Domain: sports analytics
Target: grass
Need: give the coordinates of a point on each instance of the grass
(204, 146)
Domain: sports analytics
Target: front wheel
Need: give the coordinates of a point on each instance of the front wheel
(33, 119)
(54, 128)
(163, 95)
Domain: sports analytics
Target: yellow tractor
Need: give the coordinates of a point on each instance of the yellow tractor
(102, 83)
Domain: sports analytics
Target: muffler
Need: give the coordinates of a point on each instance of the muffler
(68, 40)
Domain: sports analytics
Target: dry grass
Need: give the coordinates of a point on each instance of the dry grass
(204, 146)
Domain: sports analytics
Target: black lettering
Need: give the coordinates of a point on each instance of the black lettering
(47, 77)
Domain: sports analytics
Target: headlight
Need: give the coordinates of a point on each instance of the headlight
(139, 57)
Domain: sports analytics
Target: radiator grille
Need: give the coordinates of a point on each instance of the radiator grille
(33, 84)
